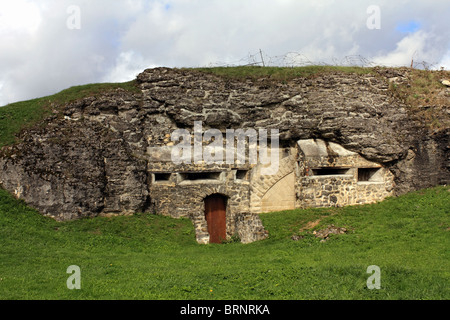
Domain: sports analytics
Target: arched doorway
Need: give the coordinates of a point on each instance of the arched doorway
(216, 217)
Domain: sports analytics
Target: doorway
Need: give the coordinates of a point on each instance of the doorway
(216, 217)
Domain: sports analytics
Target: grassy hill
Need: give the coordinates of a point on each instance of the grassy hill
(20, 115)
(152, 257)
(422, 93)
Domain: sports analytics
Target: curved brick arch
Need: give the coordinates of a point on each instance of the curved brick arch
(281, 196)
(260, 185)
(198, 217)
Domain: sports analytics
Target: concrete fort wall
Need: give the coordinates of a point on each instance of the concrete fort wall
(179, 191)
(313, 174)
(331, 176)
(108, 154)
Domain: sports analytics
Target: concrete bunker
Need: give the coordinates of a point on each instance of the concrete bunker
(330, 175)
(225, 200)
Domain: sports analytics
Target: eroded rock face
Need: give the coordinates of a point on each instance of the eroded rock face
(355, 111)
(92, 157)
(73, 169)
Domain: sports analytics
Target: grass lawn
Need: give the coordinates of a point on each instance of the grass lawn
(152, 257)
(279, 73)
(20, 115)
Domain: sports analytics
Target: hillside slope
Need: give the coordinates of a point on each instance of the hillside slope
(83, 152)
(150, 257)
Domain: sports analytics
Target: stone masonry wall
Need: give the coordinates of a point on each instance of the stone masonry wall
(344, 186)
(185, 199)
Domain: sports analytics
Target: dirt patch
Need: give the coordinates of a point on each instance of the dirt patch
(310, 225)
(331, 229)
(324, 234)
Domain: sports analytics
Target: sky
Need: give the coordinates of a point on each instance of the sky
(49, 45)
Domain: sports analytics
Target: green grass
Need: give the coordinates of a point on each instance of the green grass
(279, 73)
(425, 96)
(152, 257)
(20, 115)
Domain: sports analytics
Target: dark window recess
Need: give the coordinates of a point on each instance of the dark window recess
(241, 174)
(200, 176)
(329, 171)
(369, 175)
(162, 177)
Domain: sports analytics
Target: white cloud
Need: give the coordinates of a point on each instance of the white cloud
(19, 16)
(409, 48)
(445, 62)
(417, 48)
(39, 55)
(128, 65)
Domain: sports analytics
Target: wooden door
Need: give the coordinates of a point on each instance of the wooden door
(216, 218)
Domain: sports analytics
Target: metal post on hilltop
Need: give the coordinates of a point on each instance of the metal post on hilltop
(262, 58)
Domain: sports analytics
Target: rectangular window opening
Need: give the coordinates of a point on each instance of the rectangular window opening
(241, 174)
(195, 176)
(330, 171)
(369, 175)
(162, 177)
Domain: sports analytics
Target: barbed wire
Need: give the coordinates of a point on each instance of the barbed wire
(298, 59)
